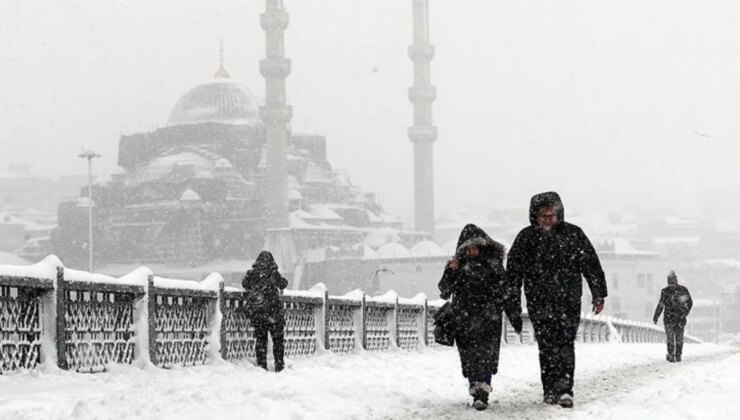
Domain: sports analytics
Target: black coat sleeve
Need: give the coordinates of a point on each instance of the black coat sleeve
(689, 302)
(659, 308)
(515, 270)
(512, 301)
(248, 281)
(591, 269)
(447, 285)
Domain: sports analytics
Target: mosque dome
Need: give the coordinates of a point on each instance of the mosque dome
(220, 100)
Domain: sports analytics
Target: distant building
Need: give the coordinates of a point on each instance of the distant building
(193, 192)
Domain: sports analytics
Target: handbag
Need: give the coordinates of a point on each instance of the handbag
(445, 325)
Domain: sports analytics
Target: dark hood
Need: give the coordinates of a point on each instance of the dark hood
(473, 235)
(542, 200)
(265, 263)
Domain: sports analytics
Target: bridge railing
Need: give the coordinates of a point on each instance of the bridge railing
(85, 322)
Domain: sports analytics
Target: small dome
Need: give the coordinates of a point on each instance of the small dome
(223, 163)
(220, 100)
(190, 195)
(426, 249)
(393, 250)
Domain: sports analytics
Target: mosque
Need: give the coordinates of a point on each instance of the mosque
(226, 177)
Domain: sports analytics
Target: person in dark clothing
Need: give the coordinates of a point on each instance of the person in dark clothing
(677, 303)
(476, 281)
(263, 284)
(549, 258)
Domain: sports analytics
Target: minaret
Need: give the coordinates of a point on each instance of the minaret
(423, 133)
(276, 115)
(221, 72)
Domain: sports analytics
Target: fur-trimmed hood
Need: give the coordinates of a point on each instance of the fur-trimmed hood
(546, 199)
(473, 235)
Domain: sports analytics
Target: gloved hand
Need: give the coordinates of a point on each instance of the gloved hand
(516, 323)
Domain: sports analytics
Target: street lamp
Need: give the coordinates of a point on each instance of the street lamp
(89, 155)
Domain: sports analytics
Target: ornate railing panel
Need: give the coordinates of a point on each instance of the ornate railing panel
(181, 326)
(300, 325)
(238, 335)
(409, 320)
(20, 327)
(99, 325)
(341, 326)
(377, 329)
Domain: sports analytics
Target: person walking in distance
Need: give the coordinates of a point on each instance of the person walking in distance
(549, 258)
(263, 285)
(676, 301)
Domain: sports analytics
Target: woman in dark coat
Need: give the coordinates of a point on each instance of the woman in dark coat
(476, 281)
(263, 284)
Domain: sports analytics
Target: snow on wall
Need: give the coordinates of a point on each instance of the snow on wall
(45, 269)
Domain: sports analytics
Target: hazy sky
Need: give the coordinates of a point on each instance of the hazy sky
(608, 102)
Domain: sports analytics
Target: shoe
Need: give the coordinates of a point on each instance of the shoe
(550, 399)
(480, 391)
(565, 401)
(480, 405)
(678, 358)
(670, 358)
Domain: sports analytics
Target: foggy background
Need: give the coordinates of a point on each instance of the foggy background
(613, 104)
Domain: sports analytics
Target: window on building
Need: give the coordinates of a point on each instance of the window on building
(641, 280)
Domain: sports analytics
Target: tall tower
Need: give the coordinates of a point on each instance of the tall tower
(423, 133)
(276, 115)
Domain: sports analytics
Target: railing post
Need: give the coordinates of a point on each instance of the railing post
(61, 321)
(152, 313)
(363, 331)
(222, 333)
(326, 320)
(393, 324)
(425, 321)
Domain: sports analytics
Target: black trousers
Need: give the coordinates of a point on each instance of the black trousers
(556, 336)
(674, 339)
(261, 328)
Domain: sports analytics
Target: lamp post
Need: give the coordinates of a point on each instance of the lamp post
(89, 155)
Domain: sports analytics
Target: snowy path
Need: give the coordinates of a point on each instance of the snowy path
(613, 381)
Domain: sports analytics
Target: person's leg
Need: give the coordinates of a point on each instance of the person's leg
(679, 341)
(278, 344)
(547, 356)
(260, 345)
(670, 340)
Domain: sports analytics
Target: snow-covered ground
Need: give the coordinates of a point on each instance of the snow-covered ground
(613, 381)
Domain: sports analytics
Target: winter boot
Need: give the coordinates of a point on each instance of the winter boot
(550, 399)
(670, 358)
(565, 401)
(480, 391)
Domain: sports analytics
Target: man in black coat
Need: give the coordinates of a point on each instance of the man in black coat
(481, 292)
(263, 284)
(677, 303)
(549, 258)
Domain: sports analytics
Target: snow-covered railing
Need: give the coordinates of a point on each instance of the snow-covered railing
(84, 322)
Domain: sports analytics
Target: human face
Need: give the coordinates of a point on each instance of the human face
(547, 218)
(472, 251)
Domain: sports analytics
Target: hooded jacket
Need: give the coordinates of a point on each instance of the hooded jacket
(265, 283)
(550, 264)
(480, 292)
